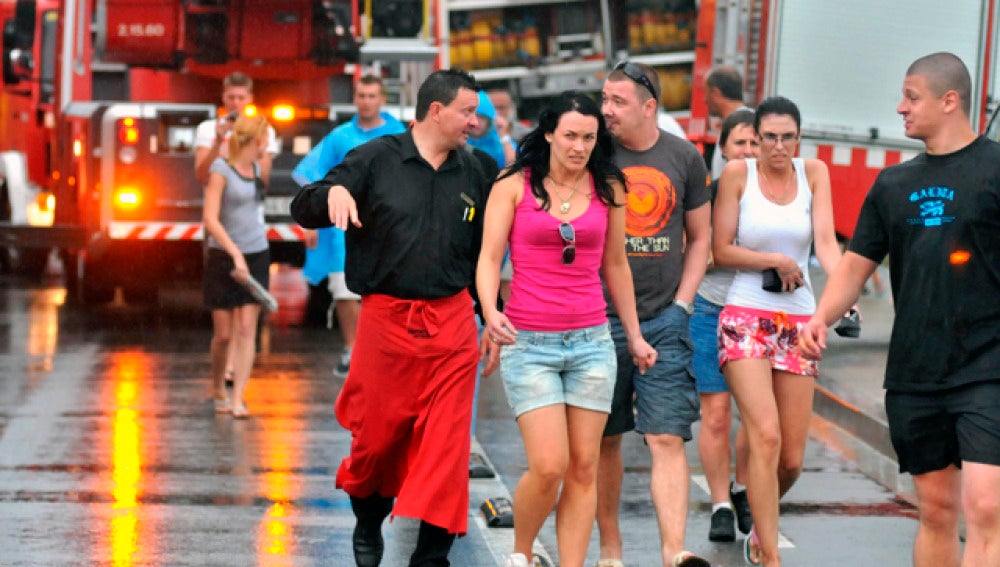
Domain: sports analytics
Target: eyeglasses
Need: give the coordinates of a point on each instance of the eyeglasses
(569, 239)
(771, 138)
(635, 73)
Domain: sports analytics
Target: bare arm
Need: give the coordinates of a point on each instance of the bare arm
(203, 158)
(618, 276)
(698, 230)
(499, 217)
(497, 223)
(205, 155)
(824, 236)
(842, 290)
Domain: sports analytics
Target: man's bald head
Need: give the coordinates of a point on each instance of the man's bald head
(945, 72)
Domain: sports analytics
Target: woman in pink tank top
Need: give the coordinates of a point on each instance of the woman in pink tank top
(559, 207)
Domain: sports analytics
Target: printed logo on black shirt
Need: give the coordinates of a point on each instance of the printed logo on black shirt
(933, 203)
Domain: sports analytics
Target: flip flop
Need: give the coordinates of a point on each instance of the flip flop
(688, 559)
(751, 548)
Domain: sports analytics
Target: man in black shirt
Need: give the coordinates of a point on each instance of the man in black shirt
(937, 216)
(412, 207)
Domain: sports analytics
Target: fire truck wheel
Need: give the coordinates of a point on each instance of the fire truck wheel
(26, 261)
(140, 294)
(96, 293)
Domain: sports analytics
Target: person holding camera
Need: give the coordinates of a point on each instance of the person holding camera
(768, 213)
(211, 135)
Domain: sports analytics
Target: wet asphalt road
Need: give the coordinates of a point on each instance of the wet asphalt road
(111, 454)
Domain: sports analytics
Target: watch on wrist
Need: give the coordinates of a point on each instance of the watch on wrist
(687, 307)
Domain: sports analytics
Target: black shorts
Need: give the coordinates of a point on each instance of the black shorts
(933, 430)
(220, 290)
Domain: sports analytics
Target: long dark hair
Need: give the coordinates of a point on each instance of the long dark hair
(534, 151)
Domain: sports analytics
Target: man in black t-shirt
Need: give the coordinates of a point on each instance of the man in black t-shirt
(937, 217)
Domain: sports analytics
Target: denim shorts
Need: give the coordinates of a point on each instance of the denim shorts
(705, 336)
(666, 400)
(576, 368)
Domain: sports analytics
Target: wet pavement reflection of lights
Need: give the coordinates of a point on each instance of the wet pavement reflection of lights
(127, 437)
(43, 327)
(281, 437)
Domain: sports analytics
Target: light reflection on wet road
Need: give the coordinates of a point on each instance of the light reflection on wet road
(111, 454)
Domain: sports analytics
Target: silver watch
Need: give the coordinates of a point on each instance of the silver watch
(687, 307)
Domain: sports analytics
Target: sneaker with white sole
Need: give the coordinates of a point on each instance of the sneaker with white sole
(741, 505)
(343, 365)
(517, 560)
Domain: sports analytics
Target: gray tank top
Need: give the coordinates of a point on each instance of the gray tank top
(240, 210)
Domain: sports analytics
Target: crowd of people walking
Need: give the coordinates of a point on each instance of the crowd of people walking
(644, 292)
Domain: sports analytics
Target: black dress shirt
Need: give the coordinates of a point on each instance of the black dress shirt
(421, 228)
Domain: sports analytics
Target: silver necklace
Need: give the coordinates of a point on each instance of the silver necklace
(768, 191)
(564, 207)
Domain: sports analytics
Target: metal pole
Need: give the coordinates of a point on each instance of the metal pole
(609, 46)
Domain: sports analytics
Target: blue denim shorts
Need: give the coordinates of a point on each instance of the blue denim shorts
(666, 401)
(576, 368)
(705, 337)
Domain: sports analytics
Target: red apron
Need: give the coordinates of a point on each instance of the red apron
(407, 401)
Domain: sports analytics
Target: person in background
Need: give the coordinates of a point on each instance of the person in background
(325, 247)
(506, 108)
(210, 142)
(559, 208)
(237, 248)
(668, 232)
(412, 206)
(768, 215)
(738, 140)
(936, 217)
(486, 136)
(723, 96)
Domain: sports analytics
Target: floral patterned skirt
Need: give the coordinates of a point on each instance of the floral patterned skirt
(746, 333)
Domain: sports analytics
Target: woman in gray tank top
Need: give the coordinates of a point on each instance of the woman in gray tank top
(237, 249)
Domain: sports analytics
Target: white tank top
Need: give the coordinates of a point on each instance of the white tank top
(765, 226)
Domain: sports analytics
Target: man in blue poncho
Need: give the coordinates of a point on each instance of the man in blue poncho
(325, 247)
(486, 137)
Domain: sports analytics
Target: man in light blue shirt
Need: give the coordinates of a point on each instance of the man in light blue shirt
(325, 249)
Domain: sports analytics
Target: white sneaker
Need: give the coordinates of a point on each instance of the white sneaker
(517, 560)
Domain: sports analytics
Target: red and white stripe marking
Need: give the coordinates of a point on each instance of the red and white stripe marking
(119, 230)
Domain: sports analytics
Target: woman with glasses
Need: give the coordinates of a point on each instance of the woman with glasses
(768, 213)
(559, 208)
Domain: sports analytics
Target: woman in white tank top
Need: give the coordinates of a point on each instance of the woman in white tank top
(767, 215)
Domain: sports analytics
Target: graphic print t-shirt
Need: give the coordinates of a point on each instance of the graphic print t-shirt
(664, 182)
(938, 219)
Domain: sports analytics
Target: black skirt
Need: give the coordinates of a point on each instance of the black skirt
(220, 290)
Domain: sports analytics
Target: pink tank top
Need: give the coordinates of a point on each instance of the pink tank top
(547, 295)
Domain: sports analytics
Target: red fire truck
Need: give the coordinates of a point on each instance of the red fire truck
(98, 111)
(843, 62)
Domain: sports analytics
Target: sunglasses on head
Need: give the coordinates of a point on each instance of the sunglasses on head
(635, 73)
(569, 239)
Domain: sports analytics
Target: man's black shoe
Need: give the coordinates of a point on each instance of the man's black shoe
(367, 538)
(368, 544)
(744, 520)
(722, 526)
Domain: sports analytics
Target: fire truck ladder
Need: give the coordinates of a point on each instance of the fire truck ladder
(736, 40)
